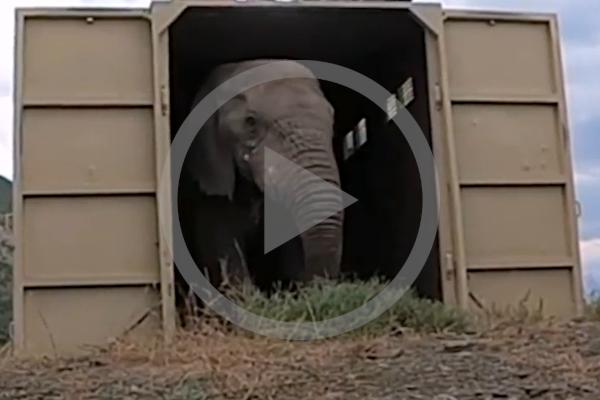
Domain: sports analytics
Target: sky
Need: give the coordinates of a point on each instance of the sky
(580, 29)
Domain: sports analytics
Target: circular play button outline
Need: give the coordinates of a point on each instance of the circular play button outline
(392, 292)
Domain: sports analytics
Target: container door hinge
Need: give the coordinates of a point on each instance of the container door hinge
(564, 130)
(450, 265)
(438, 96)
(164, 100)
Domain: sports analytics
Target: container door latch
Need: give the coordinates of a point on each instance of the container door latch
(164, 100)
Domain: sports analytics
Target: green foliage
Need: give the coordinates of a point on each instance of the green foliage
(593, 307)
(5, 195)
(5, 300)
(5, 262)
(323, 300)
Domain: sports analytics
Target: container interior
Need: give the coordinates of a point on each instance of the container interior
(387, 46)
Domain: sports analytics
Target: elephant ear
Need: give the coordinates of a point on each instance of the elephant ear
(210, 160)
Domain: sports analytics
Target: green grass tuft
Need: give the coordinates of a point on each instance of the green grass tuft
(323, 300)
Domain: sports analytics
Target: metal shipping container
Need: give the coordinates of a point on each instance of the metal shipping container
(94, 117)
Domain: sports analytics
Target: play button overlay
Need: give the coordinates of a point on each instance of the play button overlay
(288, 210)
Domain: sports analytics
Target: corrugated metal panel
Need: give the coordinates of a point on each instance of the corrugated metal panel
(67, 320)
(514, 204)
(499, 58)
(515, 225)
(91, 59)
(506, 141)
(88, 256)
(90, 240)
(509, 291)
(91, 149)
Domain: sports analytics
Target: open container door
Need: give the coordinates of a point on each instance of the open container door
(395, 43)
(515, 228)
(89, 248)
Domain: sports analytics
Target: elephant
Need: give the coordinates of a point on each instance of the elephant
(227, 174)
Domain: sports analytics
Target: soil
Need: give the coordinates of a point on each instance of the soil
(542, 362)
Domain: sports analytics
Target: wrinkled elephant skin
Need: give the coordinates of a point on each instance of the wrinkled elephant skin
(223, 183)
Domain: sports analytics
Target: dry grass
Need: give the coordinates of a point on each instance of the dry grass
(237, 366)
(408, 350)
(211, 362)
(205, 363)
(523, 313)
(212, 359)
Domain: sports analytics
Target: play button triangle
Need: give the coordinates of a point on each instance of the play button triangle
(280, 225)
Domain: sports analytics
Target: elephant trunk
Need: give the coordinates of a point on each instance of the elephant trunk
(322, 248)
(318, 213)
(311, 190)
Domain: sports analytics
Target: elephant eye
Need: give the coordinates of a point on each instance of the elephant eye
(250, 121)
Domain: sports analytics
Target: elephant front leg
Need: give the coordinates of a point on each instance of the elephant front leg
(220, 254)
(233, 268)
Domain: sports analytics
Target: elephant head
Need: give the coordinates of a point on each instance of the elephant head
(290, 118)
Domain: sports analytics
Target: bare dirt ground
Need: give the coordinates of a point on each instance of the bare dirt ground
(543, 361)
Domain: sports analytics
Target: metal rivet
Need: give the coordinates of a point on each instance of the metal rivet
(246, 157)
(492, 22)
(90, 20)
